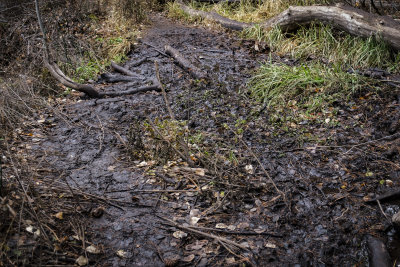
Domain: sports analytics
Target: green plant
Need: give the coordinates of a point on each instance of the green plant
(324, 43)
(310, 86)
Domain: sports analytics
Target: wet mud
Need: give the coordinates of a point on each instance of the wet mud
(322, 221)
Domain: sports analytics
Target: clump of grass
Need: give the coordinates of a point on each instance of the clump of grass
(322, 42)
(310, 86)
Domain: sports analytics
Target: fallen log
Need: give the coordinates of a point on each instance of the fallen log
(91, 91)
(184, 63)
(354, 21)
(378, 254)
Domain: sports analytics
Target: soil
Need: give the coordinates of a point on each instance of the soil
(326, 171)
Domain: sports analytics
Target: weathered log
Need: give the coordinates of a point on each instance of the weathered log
(378, 254)
(184, 63)
(386, 197)
(354, 21)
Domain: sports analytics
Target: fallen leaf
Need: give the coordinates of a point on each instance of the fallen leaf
(82, 261)
(29, 229)
(36, 233)
(199, 244)
(111, 168)
(230, 260)
(270, 245)
(179, 234)
(221, 226)
(122, 254)
(92, 249)
(188, 258)
(369, 174)
(194, 220)
(200, 171)
(249, 169)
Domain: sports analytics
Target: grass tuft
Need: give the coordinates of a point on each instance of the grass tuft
(322, 42)
(311, 86)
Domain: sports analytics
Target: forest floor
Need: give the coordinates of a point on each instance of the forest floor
(135, 202)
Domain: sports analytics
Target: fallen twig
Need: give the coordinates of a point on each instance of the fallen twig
(155, 48)
(216, 238)
(125, 70)
(164, 93)
(163, 191)
(235, 232)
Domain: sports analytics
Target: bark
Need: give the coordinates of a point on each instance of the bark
(378, 254)
(346, 18)
(184, 63)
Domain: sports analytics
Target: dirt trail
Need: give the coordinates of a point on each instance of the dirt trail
(322, 222)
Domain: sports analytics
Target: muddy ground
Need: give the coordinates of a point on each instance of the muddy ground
(326, 171)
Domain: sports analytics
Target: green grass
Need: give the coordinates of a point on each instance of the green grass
(311, 87)
(324, 43)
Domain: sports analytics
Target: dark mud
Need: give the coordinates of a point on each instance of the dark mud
(326, 171)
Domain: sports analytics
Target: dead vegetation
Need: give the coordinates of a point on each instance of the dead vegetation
(221, 169)
(43, 221)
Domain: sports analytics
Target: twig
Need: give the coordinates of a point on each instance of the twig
(125, 70)
(155, 48)
(216, 238)
(380, 207)
(164, 93)
(164, 191)
(235, 233)
(138, 63)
